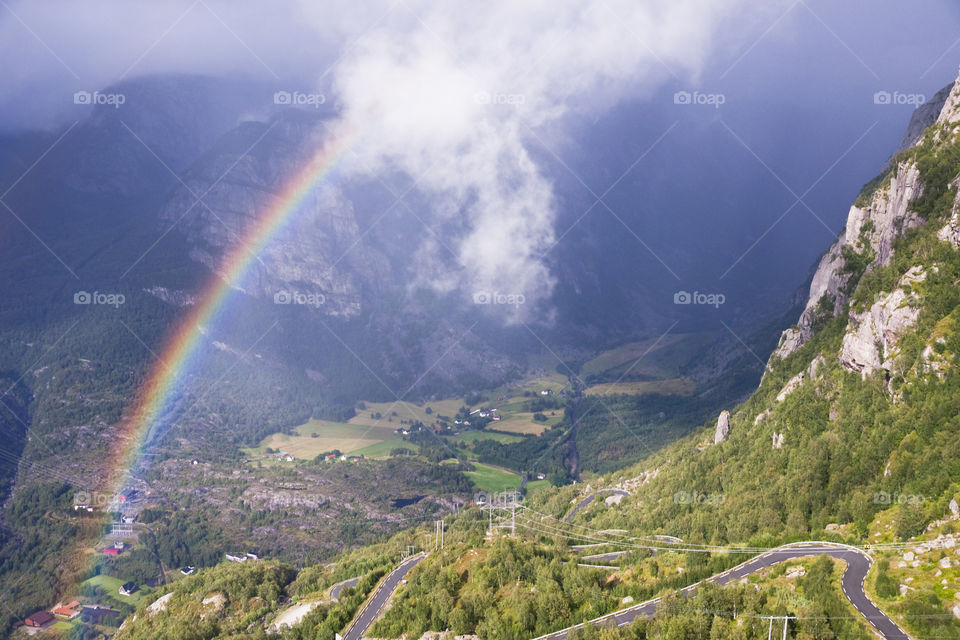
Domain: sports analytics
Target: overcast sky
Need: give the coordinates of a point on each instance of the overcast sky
(484, 101)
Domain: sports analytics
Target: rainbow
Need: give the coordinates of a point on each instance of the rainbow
(157, 397)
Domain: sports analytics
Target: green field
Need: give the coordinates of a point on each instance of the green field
(405, 411)
(533, 485)
(523, 422)
(474, 436)
(112, 586)
(671, 387)
(319, 436)
(493, 479)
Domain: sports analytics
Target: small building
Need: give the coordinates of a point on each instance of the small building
(545, 392)
(251, 556)
(128, 519)
(69, 611)
(496, 417)
(287, 457)
(541, 476)
(111, 551)
(235, 557)
(128, 589)
(39, 619)
(188, 571)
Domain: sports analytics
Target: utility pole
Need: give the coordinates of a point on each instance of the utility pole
(439, 526)
(770, 628)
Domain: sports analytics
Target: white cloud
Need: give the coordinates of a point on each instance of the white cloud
(454, 94)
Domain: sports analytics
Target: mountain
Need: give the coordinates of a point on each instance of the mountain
(850, 437)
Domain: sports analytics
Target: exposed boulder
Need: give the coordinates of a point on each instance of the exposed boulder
(954, 507)
(792, 384)
(778, 440)
(870, 342)
(951, 231)
(950, 112)
(723, 428)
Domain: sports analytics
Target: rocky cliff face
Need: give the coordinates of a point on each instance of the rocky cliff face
(324, 255)
(872, 338)
(872, 228)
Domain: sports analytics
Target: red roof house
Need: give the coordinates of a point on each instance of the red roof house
(39, 619)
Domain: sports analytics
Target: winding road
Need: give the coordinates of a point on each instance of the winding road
(858, 564)
(374, 605)
(340, 586)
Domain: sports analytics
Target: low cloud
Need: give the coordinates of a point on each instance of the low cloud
(457, 97)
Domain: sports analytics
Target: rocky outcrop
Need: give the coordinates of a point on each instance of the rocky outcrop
(723, 428)
(873, 228)
(950, 112)
(323, 261)
(924, 116)
(876, 226)
(951, 231)
(870, 342)
(778, 439)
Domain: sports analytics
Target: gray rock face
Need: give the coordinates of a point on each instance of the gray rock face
(323, 255)
(723, 428)
(950, 112)
(881, 222)
(870, 342)
(889, 217)
(951, 231)
(924, 116)
(778, 440)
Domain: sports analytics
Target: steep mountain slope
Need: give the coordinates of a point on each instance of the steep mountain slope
(851, 436)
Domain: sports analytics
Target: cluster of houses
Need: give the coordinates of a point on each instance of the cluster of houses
(342, 457)
(283, 456)
(73, 610)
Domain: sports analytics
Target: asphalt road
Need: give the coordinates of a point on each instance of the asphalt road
(590, 498)
(374, 605)
(340, 586)
(858, 563)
